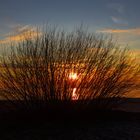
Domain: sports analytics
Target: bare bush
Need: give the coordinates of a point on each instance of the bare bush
(37, 71)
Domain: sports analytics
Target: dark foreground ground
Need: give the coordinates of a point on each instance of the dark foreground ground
(68, 125)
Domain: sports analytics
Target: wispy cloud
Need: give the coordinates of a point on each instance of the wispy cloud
(20, 33)
(117, 7)
(117, 13)
(129, 37)
(114, 19)
(135, 31)
(119, 20)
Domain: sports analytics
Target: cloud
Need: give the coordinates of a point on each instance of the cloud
(134, 31)
(119, 20)
(114, 19)
(117, 7)
(117, 11)
(20, 33)
(125, 37)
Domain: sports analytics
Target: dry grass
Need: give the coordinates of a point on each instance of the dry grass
(37, 70)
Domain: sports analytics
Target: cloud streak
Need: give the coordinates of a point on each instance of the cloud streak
(135, 31)
(117, 7)
(117, 12)
(20, 33)
(119, 20)
(129, 37)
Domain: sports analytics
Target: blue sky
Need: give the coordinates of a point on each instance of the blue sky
(118, 17)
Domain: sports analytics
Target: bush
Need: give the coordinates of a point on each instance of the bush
(72, 68)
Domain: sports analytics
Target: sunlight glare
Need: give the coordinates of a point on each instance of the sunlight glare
(73, 76)
(74, 95)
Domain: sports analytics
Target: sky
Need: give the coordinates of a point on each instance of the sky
(117, 17)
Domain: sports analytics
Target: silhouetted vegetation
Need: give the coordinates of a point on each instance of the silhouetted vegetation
(36, 73)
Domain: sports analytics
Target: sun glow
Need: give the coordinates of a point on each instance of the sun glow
(73, 76)
(74, 95)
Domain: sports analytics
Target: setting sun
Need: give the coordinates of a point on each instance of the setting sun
(73, 76)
